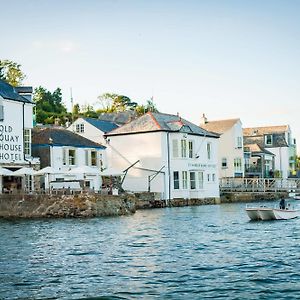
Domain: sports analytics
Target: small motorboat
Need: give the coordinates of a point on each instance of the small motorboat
(267, 213)
(294, 195)
(297, 197)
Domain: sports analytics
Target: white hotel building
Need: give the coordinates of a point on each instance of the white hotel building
(16, 122)
(166, 154)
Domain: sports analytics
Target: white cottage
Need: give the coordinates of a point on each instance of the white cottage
(72, 158)
(16, 122)
(231, 151)
(92, 129)
(165, 154)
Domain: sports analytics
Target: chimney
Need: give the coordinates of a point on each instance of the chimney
(203, 120)
(25, 91)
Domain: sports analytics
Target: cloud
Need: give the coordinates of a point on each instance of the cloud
(63, 46)
(67, 46)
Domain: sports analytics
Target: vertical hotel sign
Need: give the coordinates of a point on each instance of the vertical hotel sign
(11, 144)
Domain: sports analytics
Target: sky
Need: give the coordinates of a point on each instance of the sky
(227, 59)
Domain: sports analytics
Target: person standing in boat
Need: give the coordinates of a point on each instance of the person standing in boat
(282, 203)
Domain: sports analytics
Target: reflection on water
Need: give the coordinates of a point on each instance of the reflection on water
(173, 253)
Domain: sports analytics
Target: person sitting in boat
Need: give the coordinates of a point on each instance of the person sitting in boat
(282, 204)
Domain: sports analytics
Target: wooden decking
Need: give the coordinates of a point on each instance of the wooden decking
(259, 185)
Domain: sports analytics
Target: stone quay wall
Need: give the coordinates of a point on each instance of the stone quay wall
(96, 205)
(251, 197)
(65, 206)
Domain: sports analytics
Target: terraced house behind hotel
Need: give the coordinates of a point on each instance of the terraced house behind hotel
(271, 151)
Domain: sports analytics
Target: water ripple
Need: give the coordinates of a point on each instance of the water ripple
(206, 252)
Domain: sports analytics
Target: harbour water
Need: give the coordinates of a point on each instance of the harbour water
(201, 252)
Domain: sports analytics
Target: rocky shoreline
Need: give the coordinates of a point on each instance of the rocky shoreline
(95, 205)
(65, 206)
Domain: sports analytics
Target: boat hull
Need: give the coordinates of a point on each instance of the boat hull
(266, 213)
(253, 214)
(281, 214)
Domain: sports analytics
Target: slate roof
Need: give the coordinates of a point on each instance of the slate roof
(104, 126)
(278, 141)
(7, 91)
(256, 149)
(154, 122)
(265, 130)
(119, 118)
(61, 137)
(219, 126)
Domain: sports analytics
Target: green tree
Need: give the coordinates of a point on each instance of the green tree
(49, 106)
(76, 110)
(11, 72)
(106, 102)
(88, 111)
(150, 106)
(111, 102)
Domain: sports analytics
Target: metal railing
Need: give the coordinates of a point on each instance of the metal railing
(259, 185)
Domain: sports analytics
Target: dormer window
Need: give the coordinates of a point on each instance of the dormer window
(80, 128)
(268, 139)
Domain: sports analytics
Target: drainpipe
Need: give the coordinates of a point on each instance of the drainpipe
(23, 134)
(169, 171)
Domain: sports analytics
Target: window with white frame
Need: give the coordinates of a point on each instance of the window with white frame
(183, 148)
(176, 180)
(213, 177)
(208, 177)
(224, 163)
(191, 149)
(192, 180)
(69, 157)
(175, 148)
(200, 180)
(239, 142)
(91, 158)
(269, 139)
(237, 163)
(27, 142)
(208, 149)
(184, 180)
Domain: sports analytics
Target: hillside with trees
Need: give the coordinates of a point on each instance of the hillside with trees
(50, 108)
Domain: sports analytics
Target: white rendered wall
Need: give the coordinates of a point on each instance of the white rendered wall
(151, 149)
(228, 149)
(281, 160)
(90, 132)
(11, 131)
(124, 150)
(56, 159)
(199, 163)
